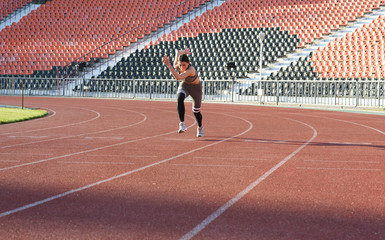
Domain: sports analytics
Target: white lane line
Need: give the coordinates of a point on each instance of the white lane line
(26, 153)
(120, 156)
(22, 208)
(358, 124)
(33, 137)
(213, 165)
(99, 148)
(231, 159)
(78, 135)
(72, 124)
(240, 195)
(341, 161)
(346, 169)
(107, 163)
(37, 119)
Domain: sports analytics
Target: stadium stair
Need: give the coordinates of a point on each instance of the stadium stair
(151, 38)
(303, 53)
(13, 10)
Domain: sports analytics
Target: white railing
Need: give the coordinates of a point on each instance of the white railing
(342, 93)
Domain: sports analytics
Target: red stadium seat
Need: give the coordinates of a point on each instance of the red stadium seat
(103, 19)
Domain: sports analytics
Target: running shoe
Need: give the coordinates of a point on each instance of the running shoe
(182, 127)
(200, 131)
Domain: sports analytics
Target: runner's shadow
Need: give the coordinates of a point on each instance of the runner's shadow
(288, 142)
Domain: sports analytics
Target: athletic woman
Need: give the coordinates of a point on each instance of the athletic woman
(190, 86)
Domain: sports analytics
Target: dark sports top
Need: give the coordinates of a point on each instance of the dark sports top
(191, 79)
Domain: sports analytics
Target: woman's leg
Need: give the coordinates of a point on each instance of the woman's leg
(198, 117)
(196, 95)
(180, 106)
(197, 101)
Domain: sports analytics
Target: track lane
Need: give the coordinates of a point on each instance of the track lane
(166, 200)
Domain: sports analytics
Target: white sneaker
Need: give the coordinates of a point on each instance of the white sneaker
(182, 127)
(200, 131)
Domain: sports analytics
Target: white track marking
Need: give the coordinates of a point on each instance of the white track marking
(36, 119)
(87, 151)
(358, 124)
(126, 173)
(231, 159)
(240, 195)
(346, 169)
(120, 156)
(82, 134)
(106, 163)
(213, 165)
(26, 153)
(33, 137)
(341, 161)
(61, 126)
(95, 149)
(81, 152)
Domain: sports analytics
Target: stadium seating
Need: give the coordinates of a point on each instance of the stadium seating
(310, 19)
(9, 6)
(63, 32)
(307, 20)
(62, 37)
(210, 53)
(357, 55)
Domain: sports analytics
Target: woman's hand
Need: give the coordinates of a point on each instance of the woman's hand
(186, 51)
(166, 60)
(181, 52)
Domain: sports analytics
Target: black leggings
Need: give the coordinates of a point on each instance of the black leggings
(182, 110)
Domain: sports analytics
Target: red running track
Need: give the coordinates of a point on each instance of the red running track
(117, 169)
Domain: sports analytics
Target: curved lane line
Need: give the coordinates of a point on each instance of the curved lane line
(72, 124)
(358, 124)
(240, 195)
(90, 150)
(78, 135)
(123, 174)
(77, 153)
(37, 119)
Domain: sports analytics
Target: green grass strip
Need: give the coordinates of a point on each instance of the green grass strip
(10, 115)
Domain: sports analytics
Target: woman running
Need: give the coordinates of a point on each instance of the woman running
(190, 86)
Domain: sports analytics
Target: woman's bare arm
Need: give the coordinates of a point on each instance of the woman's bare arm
(177, 76)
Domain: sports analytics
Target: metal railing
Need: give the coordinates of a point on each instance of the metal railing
(368, 93)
